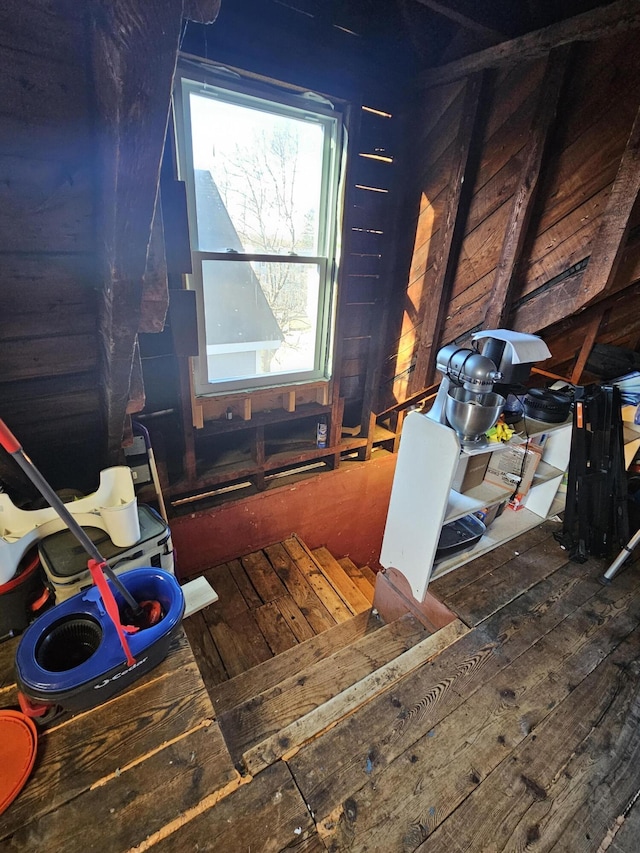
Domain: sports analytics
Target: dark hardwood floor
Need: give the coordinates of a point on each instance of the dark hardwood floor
(516, 728)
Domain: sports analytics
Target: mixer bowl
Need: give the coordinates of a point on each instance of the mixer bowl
(471, 415)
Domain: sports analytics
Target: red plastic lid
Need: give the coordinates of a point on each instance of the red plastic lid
(18, 738)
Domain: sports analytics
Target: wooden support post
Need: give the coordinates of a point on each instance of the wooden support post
(610, 240)
(364, 453)
(259, 446)
(134, 54)
(436, 293)
(499, 304)
(585, 349)
(322, 394)
(335, 427)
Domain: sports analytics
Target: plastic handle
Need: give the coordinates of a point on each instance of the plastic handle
(8, 439)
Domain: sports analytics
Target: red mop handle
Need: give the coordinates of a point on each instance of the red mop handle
(8, 439)
(111, 607)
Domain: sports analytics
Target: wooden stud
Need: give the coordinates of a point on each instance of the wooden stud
(246, 409)
(585, 349)
(198, 417)
(289, 401)
(606, 252)
(436, 295)
(322, 394)
(499, 303)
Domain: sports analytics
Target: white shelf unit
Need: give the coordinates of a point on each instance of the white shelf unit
(422, 499)
(631, 433)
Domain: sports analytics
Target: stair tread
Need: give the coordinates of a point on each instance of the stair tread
(229, 694)
(265, 713)
(340, 580)
(317, 580)
(369, 574)
(358, 577)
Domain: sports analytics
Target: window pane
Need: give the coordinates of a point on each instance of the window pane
(260, 318)
(258, 178)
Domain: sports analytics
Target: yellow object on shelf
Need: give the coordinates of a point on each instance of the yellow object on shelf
(500, 432)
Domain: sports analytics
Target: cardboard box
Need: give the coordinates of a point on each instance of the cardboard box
(514, 466)
(470, 471)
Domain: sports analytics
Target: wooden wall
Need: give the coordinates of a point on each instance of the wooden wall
(461, 244)
(49, 389)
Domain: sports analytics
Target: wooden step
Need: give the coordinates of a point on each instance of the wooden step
(359, 578)
(346, 588)
(316, 579)
(273, 723)
(229, 694)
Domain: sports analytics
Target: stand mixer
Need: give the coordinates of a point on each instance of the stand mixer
(468, 403)
(466, 400)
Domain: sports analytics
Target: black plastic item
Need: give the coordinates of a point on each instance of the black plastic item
(459, 536)
(22, 598)
(551, 407)
(66, 559)
(596, 515)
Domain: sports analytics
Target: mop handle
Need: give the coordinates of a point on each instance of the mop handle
(13, 446)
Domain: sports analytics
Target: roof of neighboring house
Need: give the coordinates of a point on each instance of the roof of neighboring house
(236, 309)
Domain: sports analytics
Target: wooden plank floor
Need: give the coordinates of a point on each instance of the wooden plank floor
(521, 735)
(271, 601)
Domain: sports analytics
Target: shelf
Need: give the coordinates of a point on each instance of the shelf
(273, 416)
(509, 525)
(545, 472)
(422, 501)
(477, 498)
(287, 458)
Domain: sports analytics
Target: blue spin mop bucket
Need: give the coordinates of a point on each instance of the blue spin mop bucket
(71, 658)
(96, 643)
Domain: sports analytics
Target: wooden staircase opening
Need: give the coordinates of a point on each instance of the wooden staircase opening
(271, 601)
(294, 645)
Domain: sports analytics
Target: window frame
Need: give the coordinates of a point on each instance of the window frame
(244, 89)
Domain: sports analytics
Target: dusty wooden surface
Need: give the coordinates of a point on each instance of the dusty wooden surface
(97, 775)
(519, 732)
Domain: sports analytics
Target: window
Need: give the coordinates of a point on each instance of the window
(261, 167)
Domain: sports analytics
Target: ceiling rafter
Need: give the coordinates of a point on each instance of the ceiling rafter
(463, 20)
(601, 22)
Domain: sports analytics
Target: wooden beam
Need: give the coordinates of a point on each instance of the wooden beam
(601, 22)
(134, 53)
(551, 304)
(436, 295)
(609, 242)
(499, 304)
(463, 20)
(585, 349)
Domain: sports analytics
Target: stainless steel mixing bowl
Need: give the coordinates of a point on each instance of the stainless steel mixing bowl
(471, 415)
